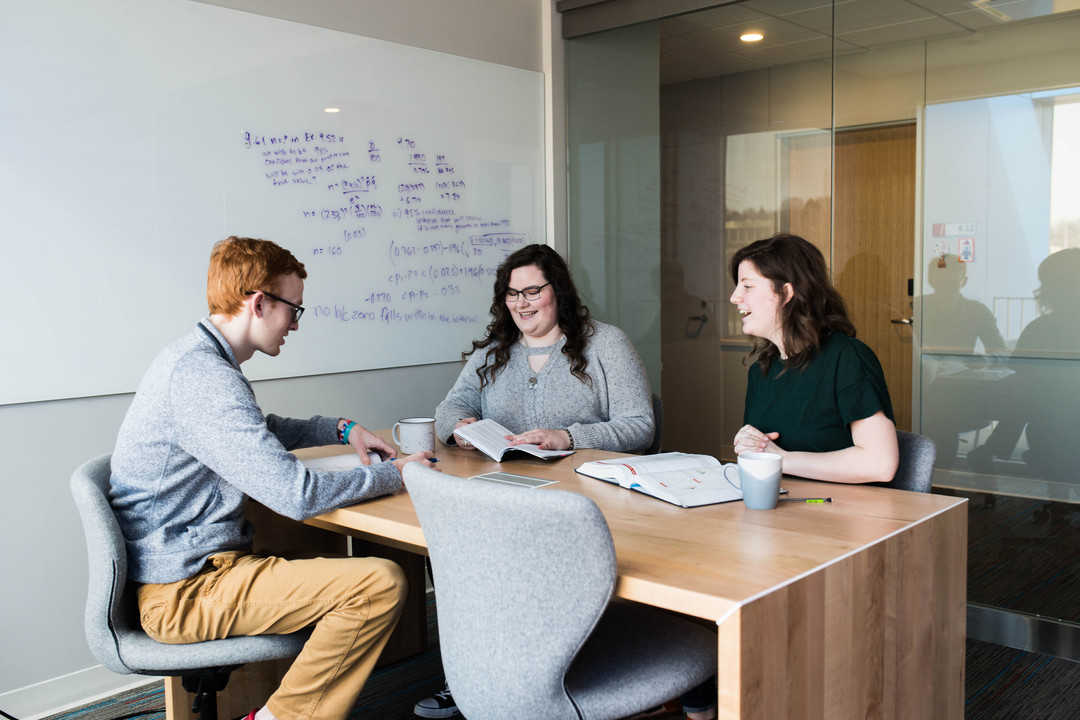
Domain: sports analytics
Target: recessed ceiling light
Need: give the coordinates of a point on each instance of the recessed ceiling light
(751, 37)
(331, 109)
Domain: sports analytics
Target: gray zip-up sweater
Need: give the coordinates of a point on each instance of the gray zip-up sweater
(195, 445)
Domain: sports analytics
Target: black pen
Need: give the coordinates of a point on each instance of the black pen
(806, 500)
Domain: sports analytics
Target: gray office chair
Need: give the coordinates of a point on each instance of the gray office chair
(918, 454)
(658, 421)
(112, 624)
(525, 625)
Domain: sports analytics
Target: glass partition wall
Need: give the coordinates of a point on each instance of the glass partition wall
(932, 151)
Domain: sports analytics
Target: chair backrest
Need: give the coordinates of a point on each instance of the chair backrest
(110, 611)
(918, 454)
(658, 419)
(522, 578)
(112, 626)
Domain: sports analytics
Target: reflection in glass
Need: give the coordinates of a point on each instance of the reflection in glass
(1003, 281)
(960, 341)
(1040, 397)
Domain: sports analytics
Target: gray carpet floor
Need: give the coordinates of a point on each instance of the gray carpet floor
(1002, 684)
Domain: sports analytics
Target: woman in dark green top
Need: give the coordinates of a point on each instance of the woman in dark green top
(815, 395)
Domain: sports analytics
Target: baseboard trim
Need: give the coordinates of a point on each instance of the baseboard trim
(1033, 633)
(58, 695)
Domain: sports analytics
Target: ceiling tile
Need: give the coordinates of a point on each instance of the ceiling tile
(866, 14)
(783, 7)
(800, 30)
(894, 34)
(692, 60)
(801, 51)
(775, 30)
(709, 19)
(814, 18)
(942, 7)
(974, 20)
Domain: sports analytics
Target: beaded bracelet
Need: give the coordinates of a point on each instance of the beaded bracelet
(343, 433)
(571, 436)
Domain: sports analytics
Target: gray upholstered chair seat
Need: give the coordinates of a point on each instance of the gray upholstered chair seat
(144, 656)
(603, 677)
(527, 628)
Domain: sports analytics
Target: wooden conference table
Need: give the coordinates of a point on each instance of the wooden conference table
(850, 609)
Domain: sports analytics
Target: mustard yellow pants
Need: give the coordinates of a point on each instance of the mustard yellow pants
(353, 603)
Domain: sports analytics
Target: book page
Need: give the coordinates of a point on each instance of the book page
(490, 438)
(487, 435)
(713, 479)
(690, 488)
(663, 462)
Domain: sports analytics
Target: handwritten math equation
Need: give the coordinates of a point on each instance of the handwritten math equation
(400, 213)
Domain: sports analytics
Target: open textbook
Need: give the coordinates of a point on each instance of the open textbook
(679, 478)
(489, 437)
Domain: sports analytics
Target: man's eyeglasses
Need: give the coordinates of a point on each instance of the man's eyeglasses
(297, 310)
(530, 293)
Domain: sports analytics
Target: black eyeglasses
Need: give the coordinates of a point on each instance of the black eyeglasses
(297, 310)
(530, 293)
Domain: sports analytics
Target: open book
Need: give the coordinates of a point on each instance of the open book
(489, 437)
(679, 478)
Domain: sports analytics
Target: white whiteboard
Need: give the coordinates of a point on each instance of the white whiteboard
(136, 133)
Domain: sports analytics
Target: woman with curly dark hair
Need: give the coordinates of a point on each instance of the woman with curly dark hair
(815, 395)
(546, 370)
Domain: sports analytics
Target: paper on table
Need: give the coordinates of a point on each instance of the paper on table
(511, 479)
(345, 461)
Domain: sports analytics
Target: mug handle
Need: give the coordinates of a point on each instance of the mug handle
(394, 434)
(737, 483)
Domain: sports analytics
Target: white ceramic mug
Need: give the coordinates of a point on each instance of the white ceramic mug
(759, 477)
(414, 434)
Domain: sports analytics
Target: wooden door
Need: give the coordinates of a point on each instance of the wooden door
(873, 255)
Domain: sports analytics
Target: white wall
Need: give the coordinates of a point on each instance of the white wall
(44, 662)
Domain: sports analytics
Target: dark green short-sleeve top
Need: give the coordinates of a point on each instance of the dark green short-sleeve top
(812, 407)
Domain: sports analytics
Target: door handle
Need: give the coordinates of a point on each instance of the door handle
(904, 321)
(693, 331)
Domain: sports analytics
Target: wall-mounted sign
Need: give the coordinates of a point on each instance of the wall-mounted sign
(953, 229)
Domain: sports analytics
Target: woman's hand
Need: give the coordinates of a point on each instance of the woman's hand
(365, 441)
(750, 439)
(465, 444)
(546, 439)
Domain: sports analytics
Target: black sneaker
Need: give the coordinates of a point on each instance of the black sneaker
(439, 705)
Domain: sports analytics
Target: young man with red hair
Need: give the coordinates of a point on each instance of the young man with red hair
(195, 446)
